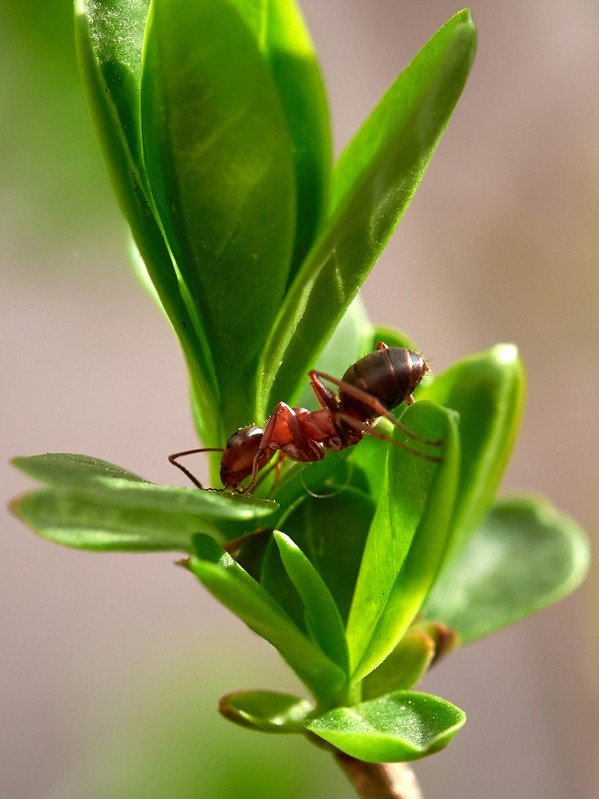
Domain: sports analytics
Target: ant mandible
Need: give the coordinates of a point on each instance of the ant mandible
(369, 389)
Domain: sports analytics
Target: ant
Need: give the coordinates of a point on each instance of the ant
(368, 390)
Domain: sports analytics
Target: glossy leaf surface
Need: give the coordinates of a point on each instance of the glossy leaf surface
(407, 539)
(95, 522)
(238, 591)
(99, 479)
(331, 531)
(284, 41)
(488, 391)
(397, 727)
(218, 155)
(110, 38)
(525, 556)
(266, 711)
(322, 616)
(376, 180)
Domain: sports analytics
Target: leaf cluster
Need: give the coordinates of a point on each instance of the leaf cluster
(367, 567)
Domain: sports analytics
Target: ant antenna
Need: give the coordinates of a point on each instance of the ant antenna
(173, 459)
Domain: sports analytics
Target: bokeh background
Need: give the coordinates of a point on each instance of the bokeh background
(112, 664)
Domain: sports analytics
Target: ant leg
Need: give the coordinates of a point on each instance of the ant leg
(377, 406)
(173, 459)
(372, 431)
(281, 415)
(277, 469)
(326, 398)
(282, 429)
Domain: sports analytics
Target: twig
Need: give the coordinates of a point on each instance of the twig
(380, 780)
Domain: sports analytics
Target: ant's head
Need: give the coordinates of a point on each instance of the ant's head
(237, 461)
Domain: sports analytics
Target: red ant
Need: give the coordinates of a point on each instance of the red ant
(369, 388)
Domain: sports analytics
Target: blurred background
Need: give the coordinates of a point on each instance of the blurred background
(112, 664)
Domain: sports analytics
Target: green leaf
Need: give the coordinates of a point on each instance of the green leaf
(444, 62)
(331, 531)
(488, 391)
(73, 471)
(370, 458)
(110, 38)
(284, 41)
(398, 727)
(238, 591)
(322, 615)
(524, 557)
(403, 668)
(408, 538)
(218, 155)
(97, 523)
(266, 711)
(374, 183)
(92, 477)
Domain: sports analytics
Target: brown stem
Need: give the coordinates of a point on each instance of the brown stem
(380, 780)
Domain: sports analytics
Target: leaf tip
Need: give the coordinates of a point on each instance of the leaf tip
(13, 506)
(283, 540)
(465, 15)
(506, 353)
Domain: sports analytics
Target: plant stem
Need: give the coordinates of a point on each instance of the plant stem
(380, 780)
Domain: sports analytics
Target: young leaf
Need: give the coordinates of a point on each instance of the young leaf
(266, 711)
(322, 615)
(488, 391)
(238, 591)
(445, 639)
(284, 42)
(525, 556)
(218, 155)
(397, 727)
(375, 182)
(95, 478)
(331, 531)
(408, 538)
(404, 667)
(109, 41)
(370, 460)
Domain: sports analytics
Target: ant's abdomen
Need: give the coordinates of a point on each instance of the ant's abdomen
(389, 374)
